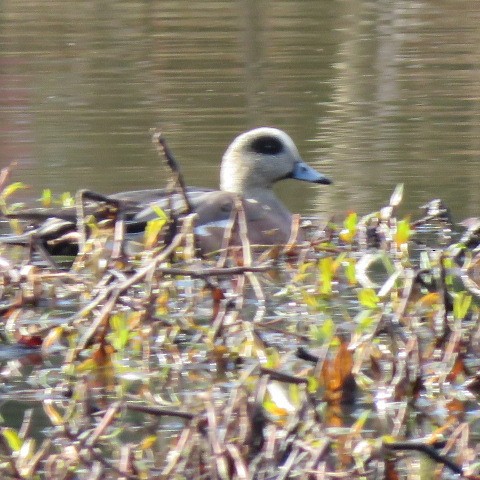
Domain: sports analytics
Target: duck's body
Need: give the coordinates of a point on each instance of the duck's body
(251, 165)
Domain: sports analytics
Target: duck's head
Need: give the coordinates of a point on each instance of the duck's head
(256, 159)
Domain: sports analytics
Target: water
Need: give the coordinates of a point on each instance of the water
(373, 93)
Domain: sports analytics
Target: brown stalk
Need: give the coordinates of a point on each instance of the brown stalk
(126, 460)
(35, 245)
(119, 235)
(104, 424)
(101, 461)
(227, 238)
(5, 173)
(319, 455)
(241, 468)
(217, 324)
(243, 232)
(176, 453)
(283, 377)
(294, 233)
(160, 411)
(289, 464)
(98, 325)
(427, 450)
(40, 454)
(163, 148)
(26, 424)
(214, 442)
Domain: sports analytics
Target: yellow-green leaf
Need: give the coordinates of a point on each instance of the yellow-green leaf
(350, 223)
(403, 232)
(53, 414)
(364, 321)
(326, 275)
(152, 230)
(13, 439)
(12, 188)
(368, 298)
(461, 304)
(148, 442)
(120, 332)
(46, 198)
(350, 271)
(294, 394)
(273, 357)
(350, 228)
(160, 212)
(357, 427)
(323, 333)
(313, 384)
(67, 200)
(312, 301)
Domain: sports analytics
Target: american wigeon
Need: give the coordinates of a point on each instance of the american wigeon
(251, 165)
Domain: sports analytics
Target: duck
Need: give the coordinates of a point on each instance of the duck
(251, 165)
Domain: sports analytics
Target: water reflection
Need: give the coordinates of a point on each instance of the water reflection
(404, 103)
(386, 92)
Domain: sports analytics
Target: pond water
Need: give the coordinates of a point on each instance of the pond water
(373, 93)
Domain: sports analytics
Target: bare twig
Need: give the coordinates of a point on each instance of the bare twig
(427, 450)
(160, 411)
(162, 147)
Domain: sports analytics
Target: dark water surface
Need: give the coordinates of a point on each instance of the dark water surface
(374, 93)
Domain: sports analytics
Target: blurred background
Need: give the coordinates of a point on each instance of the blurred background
(374, 93)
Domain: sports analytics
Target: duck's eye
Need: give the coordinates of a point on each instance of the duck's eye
(267, 145)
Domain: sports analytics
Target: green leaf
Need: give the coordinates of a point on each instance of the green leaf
(326, 275)
(12, 188)
(120, 331)
(403, 232)
(350, 228)
(364, 321)
(313, 384)
(273, 357)
(350, 271)
(67, 200)
(350, 223)
(322, 334)
(368, 298)
(160, 212)
(12, 438)
(154, 227)
(461, 304)
(46, 197)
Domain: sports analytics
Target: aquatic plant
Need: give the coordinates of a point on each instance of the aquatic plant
(354, 353)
